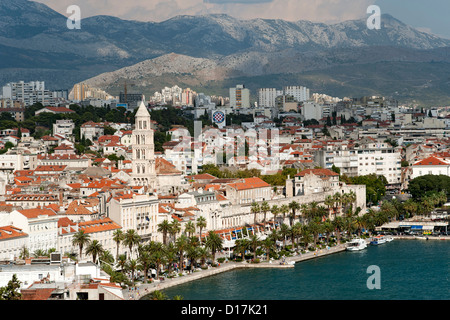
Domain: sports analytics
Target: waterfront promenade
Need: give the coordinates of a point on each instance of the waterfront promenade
(145, 289)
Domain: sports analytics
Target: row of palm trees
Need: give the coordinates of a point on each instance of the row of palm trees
(339, 202)
(312, 225)
(148, 255)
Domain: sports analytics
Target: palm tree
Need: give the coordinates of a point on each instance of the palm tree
(118, 238)
(255, 209)
(328, 228)
(296, 231)
(284, 209)
(268, 244)
(189, 228)
(24, 252)
(158, 295)
(329, 202)
(203, 254)
(241, 245)
(307, 237)
(314, 228)
(275, 210)
(122, 261)
(264, 208)
(214, 243)
(95, 249)
(254, 243)
(132, 266)
(158, 257)
(293, 206)
(360, 224)
(193, 254)
(175, 228)
(349, 224)
(145, 260)
(284, 232)
(171, 256)
(338, 225)
(201, 223)
(39, 253)
(164, 228)
(80, 239)
(131, 238)
(181, 245)
(337, 202)
(305, 209)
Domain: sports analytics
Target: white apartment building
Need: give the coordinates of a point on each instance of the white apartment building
(40, 224)
(135, 211)
(300, 93)
(239, 97)
(380, 158)
(12, 240)
(431, 165)
(341, 156)
(91, 130)
(312, 110)
(267, 97)
(63, 127)
(27, 92)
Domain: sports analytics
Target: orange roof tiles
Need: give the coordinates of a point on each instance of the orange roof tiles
(100, 225)
(36, 212)
(432, 161)
(318, 172)
(249, 183)
(9, 232)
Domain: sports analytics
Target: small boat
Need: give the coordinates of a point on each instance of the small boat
(421, 238)
(389, 239)
(378, 240)
(356, 245)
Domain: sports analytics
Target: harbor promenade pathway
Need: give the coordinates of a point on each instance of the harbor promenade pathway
(145, 289)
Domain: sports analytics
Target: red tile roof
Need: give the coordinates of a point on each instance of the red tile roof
(249, 183)
(36, 212)
(318, 172)
(9, 232)
(431, 161)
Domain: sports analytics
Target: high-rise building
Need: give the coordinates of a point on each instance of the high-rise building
(27, 92)
(300, 93)
(239, 97)
(143, 162)
(267, 97)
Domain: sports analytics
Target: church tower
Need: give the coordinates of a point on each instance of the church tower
(143, 164)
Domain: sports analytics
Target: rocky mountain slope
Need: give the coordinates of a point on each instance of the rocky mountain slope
(35, 43)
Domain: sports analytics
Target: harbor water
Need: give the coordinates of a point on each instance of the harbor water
(398, 270)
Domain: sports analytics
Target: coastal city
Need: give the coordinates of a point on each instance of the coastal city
(229, 155)
(103, 197)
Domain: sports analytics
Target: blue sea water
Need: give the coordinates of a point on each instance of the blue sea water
(408, 270)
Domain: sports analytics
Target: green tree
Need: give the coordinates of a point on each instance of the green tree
(201, 224)
(12, 290)
(118, 237)
(215, 243)
(131, 239)
(80, 239)
(164, 227)
(94, 248)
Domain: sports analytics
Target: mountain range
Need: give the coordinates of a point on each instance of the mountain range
(209, 53)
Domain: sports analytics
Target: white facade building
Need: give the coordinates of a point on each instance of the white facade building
(300, 93)
(136, 211)
(239, 97)
(380, 158)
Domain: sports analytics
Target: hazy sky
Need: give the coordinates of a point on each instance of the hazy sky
(427, 15)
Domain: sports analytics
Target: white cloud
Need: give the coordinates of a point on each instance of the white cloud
(159, 10)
